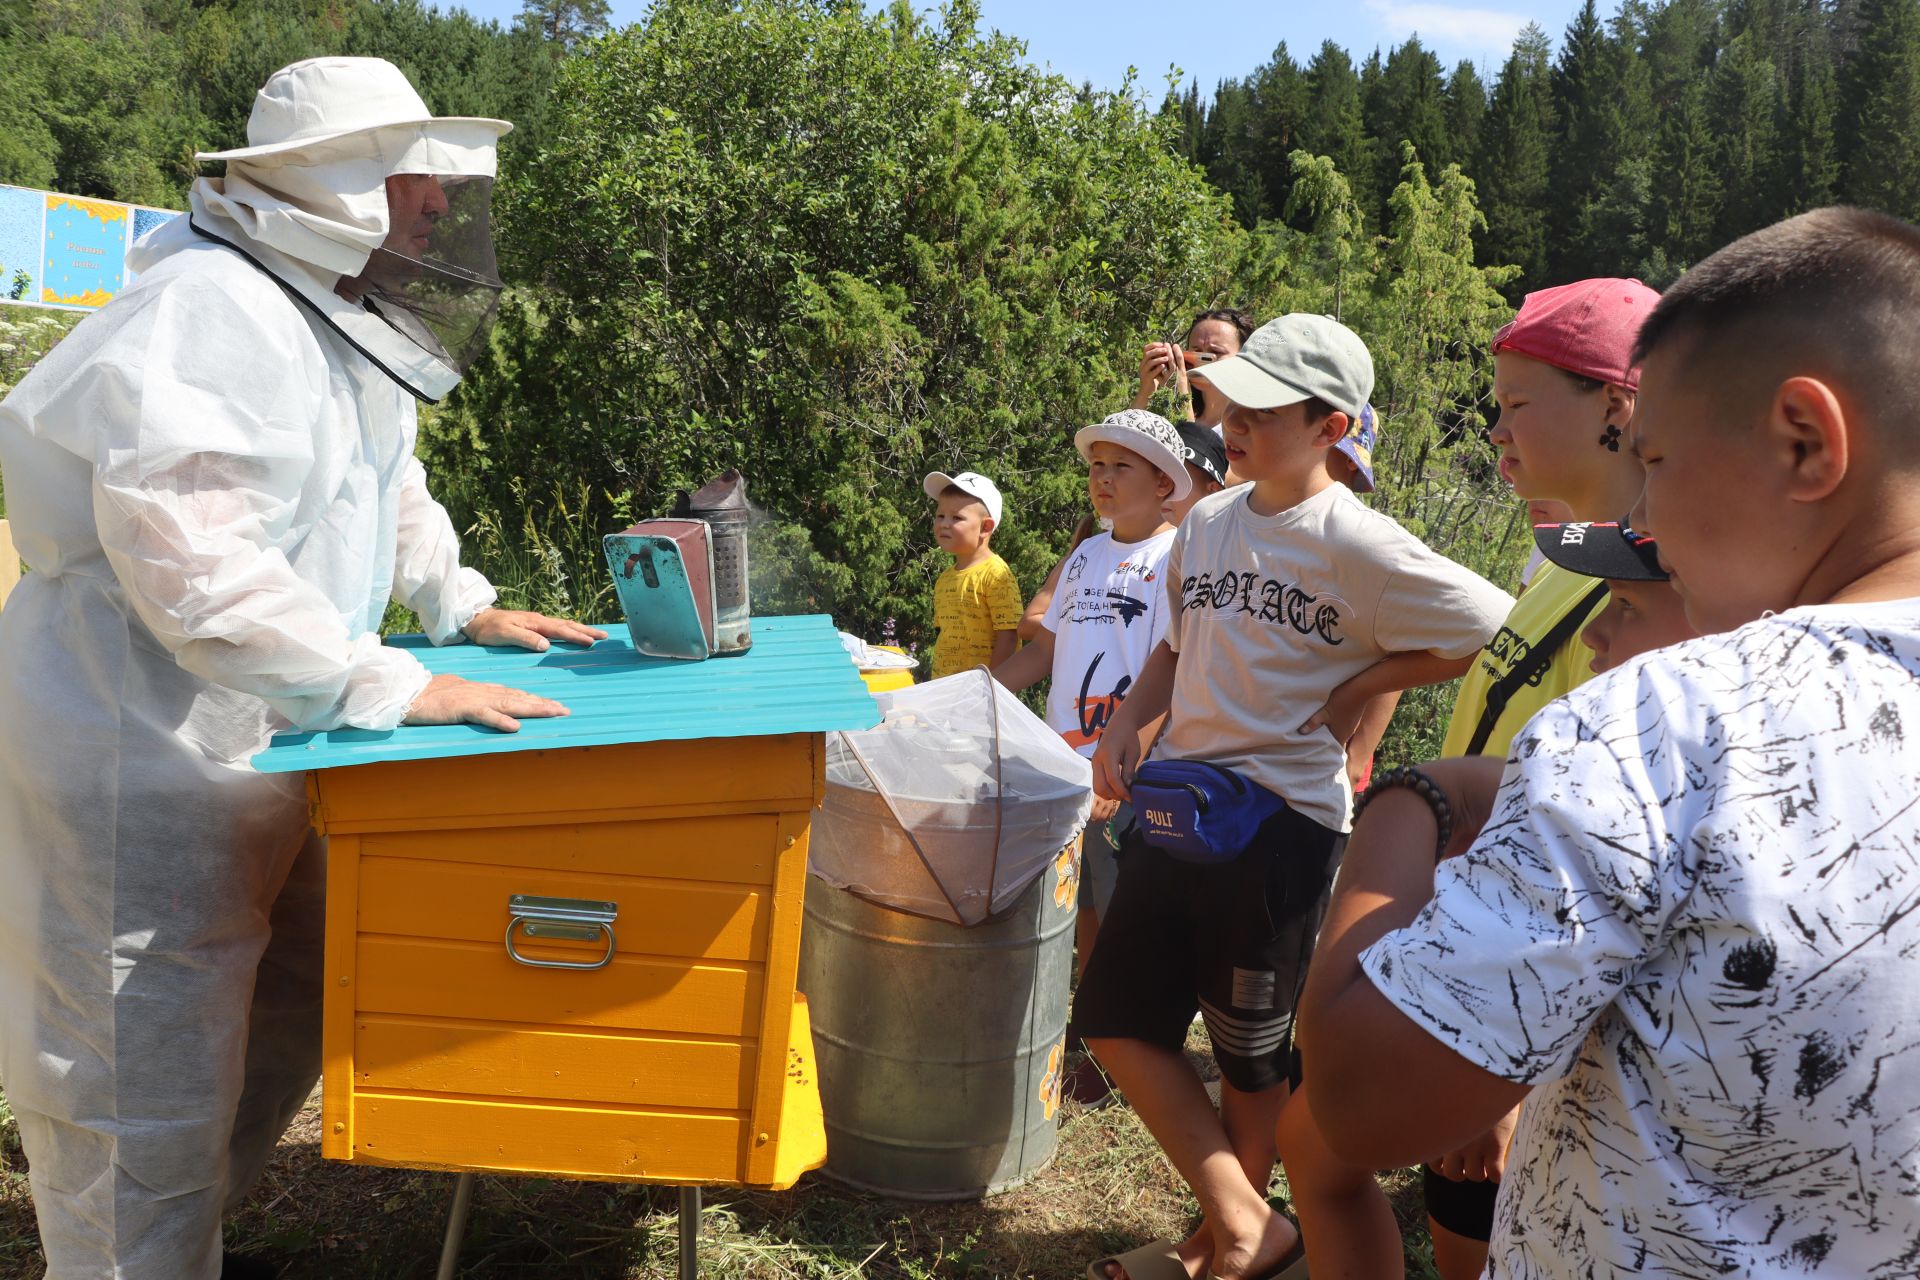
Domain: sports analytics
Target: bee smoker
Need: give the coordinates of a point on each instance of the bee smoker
(682, 581)
(722, 504)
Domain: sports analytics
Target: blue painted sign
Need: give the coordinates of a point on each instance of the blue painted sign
(65, 251)
(22, 217)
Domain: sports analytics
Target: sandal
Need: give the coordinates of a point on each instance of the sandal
(1155, 1260)
(1293, 1266)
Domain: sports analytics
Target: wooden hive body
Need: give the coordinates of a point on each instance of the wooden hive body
(687, 1058)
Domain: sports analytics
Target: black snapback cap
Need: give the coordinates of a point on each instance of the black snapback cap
(1204, 449)
(1601, 549)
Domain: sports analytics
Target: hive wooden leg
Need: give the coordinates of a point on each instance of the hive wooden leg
(689, 1233)
(456, 1226)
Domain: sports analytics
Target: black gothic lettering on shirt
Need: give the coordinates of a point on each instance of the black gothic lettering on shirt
(1278, 602)
(1095, 712)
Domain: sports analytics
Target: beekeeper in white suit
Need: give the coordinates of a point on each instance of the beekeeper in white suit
(213, 486)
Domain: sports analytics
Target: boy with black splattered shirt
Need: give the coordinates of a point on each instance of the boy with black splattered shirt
(1694, 892)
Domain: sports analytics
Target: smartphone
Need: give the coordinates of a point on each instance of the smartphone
(1194, 358)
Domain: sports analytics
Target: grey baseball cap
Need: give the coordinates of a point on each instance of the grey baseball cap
(1295, 358)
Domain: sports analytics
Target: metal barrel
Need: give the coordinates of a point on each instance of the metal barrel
(939, 1047)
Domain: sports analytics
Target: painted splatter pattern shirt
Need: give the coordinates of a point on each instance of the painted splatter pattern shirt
(1694, 921)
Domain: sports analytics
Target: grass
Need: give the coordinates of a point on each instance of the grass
(1107, 1188)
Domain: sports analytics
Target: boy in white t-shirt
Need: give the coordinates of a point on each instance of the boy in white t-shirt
(1294, 605)
(1693, 890)
(1109, 609)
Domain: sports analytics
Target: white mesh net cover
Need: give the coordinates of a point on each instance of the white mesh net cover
(950, 806)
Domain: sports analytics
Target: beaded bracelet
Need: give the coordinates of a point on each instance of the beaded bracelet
(1421, 785)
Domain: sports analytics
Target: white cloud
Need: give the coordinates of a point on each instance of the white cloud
(1459, 26)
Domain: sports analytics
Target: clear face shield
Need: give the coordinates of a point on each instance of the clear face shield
(434, 278)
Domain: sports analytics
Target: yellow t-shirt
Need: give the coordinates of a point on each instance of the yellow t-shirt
(1546, 600)
(969, 605)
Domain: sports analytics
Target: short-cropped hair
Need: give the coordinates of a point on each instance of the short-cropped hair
(1841, 283)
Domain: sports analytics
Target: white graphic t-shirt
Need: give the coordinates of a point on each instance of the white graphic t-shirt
(1272, 613)
(1108, 613)
(1694, 920)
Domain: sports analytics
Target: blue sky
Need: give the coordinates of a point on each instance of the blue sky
(1098, 40)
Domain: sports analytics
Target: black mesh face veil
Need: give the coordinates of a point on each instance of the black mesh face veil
(435, 279)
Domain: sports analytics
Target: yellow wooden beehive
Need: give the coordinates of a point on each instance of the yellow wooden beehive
(659, 1038)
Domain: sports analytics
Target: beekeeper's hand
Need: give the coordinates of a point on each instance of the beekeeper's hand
(1114, 761)
(452, 700)
(524, 629)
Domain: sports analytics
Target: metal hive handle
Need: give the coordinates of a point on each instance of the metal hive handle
(575, 919)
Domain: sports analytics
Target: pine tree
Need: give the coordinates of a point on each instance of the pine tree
(1631, 80)
(1279, 110)
(1229, 150)
(1744, 103)
(1678, 45)
(1880, 92)
(1413, 100)
(1611, 238)
(1809, 154)
(1583, 162)
(1466, 110)
(565, 23)
(1513, 171)
(1332, 125)
(1686, 200)
(1373, 114)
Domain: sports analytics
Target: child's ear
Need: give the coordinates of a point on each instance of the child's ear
(1333, 429)
(988, 524)
(1165, 486)
(1807, 426)
(1620, 404)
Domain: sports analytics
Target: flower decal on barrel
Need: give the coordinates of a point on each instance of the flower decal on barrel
(1051, 1082)
(1066, 874)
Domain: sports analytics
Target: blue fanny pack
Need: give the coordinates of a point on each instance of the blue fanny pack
(1199, 812)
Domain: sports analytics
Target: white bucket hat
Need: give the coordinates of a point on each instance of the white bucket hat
(1147, 434)
(306, 105)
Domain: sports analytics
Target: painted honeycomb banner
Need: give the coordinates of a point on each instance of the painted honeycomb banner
(66, 251)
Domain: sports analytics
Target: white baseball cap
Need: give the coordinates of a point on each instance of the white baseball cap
(1147, 434)
(971, 483)
(1295, 358)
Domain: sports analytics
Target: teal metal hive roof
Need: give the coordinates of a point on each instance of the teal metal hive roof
(795, 679)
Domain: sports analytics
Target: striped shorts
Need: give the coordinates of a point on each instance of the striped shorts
(1230, 940)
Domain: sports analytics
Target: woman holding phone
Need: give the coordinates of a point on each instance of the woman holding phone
(1214, 335)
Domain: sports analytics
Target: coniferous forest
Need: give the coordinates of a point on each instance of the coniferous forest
(1635, 143)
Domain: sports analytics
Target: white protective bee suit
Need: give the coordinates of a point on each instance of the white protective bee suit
(213, 487)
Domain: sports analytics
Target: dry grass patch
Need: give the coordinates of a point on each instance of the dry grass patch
(1106, 1189)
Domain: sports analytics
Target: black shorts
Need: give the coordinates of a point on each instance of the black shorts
(1464, 1208)
(1229, 939)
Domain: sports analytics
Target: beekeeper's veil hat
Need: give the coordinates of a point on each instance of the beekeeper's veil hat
(307, 199)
